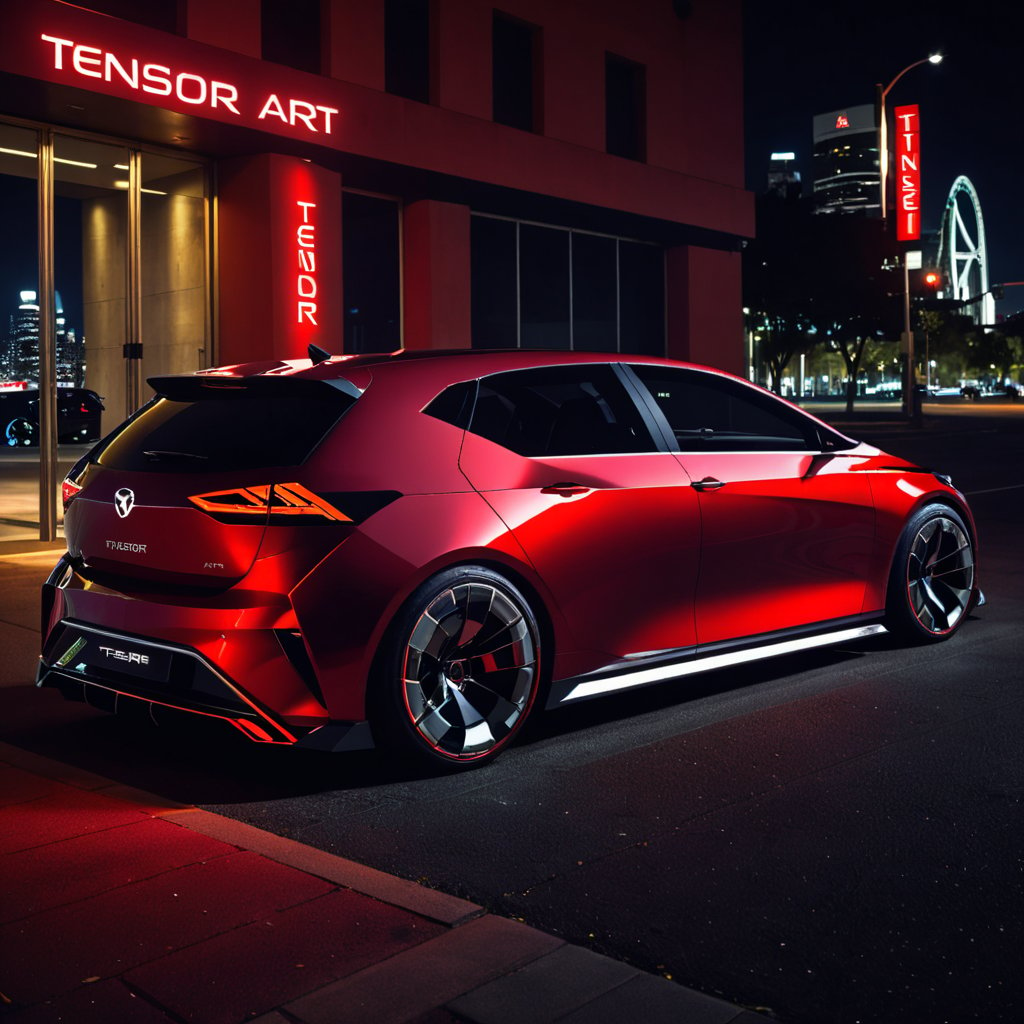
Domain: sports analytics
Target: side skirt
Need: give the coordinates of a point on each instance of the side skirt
(565, 691)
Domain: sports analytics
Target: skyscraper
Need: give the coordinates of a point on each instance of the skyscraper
(19, 357)
(846, 171)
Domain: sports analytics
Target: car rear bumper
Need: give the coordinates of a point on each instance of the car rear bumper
(236, 658)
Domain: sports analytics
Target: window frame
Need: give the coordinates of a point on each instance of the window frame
(817, 438)
(628, 393)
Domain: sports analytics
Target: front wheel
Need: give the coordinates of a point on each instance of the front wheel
(931, 584)
(460, 670)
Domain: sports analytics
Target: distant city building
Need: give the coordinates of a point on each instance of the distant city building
(19, 356)
(846, 171)
(783, 177)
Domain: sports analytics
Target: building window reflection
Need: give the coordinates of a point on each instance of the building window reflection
(541, 286)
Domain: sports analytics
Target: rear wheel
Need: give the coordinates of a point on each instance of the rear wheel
(932, 579)
(460, 670)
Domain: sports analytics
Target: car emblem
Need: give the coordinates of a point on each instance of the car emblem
(124, 501)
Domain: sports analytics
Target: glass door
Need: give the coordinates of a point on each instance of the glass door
(103, 282)
(19, 334)
(91, 235)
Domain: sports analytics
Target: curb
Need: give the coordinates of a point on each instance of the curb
(483, 969)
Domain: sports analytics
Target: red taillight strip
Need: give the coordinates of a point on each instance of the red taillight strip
(294, 498)
(68, 490)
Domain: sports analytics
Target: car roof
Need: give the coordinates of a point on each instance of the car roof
(442, 365)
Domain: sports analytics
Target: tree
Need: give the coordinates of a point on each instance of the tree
(848, 291)
(813, 279)
(784, 338)
(773, 285)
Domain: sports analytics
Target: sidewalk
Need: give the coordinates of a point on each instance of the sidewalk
(120, 907)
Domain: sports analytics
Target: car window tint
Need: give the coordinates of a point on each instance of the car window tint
(223, 433)
(710, 413)
(560, 410)
(454, 404)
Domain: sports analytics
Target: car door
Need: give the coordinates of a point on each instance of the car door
(787, 536)
(566, 458)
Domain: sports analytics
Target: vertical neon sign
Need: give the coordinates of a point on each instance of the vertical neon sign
(306, 284)
(908, 173)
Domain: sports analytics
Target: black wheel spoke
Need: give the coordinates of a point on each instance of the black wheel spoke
(470, 670)
(940, 574)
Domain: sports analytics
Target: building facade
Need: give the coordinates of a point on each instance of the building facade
(219, 181)
(847, 178)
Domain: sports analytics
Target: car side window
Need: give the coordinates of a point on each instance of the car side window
(582, 409)
(710, 413)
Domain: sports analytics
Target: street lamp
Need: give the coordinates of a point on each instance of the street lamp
(883, 129)
(911, 405)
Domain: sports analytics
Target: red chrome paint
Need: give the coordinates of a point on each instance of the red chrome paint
(787, 540)
(620, 555)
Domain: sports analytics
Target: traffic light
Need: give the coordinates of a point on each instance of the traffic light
(932, 281)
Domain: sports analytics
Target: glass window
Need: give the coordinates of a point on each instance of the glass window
(19, 335)
(560, 410)
(371, 274)
(641, 298)
(493, 283)
(715, 414)
(290, 33)
(455, 404)
(544, 287)
(544, 309)
(407, 49)
(243, 432)
(515, 88)
(625, 108)
(595, 307)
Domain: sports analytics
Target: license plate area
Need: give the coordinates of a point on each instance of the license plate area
(99, 655)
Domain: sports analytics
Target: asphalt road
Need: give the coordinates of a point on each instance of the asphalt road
(835, 836)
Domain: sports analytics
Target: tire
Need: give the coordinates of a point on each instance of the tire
(931, 584)
(459, 670)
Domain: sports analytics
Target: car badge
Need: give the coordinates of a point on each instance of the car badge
(124, 501)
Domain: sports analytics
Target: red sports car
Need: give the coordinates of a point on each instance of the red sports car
(416, 550)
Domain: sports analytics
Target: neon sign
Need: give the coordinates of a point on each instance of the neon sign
(908, 173)
(842, 121)
(161, 80)
(306, 289)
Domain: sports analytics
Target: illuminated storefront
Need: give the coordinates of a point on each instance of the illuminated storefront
(226, 182)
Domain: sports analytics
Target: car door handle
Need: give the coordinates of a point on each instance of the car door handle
(565, 489)
(709, 483)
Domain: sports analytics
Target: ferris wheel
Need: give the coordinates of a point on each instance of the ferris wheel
(962, 253)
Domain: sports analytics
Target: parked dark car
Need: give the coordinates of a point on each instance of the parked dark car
(78, 417)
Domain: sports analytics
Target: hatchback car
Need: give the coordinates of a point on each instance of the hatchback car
(417, 550)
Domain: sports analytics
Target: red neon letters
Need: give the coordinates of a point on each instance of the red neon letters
(305, 238)
(184, 86)
(908, 173)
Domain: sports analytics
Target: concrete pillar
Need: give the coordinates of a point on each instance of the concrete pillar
(705, 307)
(279, 254)
(436, 284)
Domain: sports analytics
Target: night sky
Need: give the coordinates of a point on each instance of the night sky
(804, 58)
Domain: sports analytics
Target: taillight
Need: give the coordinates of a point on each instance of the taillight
(68, 490)
(275, 500)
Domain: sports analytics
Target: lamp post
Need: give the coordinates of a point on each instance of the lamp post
(883, 129)
(911, 404)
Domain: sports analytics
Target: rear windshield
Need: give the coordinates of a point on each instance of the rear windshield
(242, 431)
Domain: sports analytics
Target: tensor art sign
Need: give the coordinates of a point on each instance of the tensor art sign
(152, 80)
(908, 172)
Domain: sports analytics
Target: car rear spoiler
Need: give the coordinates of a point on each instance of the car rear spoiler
(189, 387)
